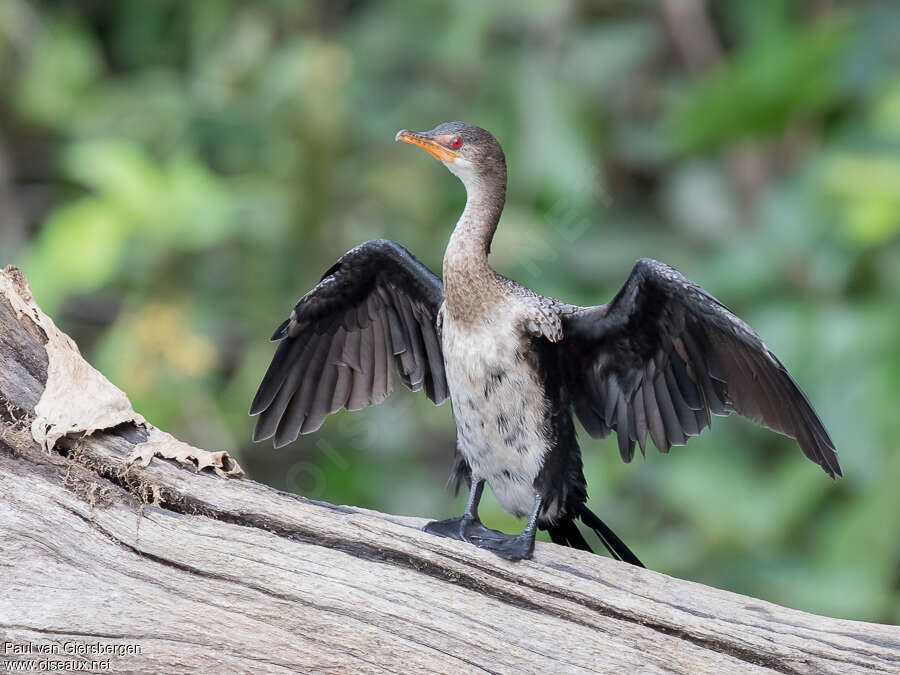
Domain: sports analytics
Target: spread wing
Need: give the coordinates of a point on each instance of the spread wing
(375, 306)
(664, 354)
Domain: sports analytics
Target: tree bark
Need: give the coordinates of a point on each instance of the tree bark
(200, 572)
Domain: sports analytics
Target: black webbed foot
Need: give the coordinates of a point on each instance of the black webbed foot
(468, 528)
(452, 528)
(462, 529)
(509, 546)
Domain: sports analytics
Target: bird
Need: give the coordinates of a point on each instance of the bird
(652, 364)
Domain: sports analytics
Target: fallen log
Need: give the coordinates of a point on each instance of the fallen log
(143, 566)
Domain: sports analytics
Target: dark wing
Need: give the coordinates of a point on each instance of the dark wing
(377, 304)
(664, 354)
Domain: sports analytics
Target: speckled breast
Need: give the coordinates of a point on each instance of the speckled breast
(500, 407)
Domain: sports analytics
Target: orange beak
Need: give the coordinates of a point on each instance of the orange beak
(435, 145)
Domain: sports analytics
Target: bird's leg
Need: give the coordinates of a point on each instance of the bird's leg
(455, 528)
(475, 490)
(468, 525)
(511, 546)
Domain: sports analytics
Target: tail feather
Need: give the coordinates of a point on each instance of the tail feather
(614, 545)
(575, 538)
(566, 533)
(557, 536)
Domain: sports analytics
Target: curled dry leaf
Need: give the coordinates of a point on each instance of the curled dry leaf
(166, 446)
(78, 400)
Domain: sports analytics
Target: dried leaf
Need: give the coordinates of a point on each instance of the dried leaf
(163, 445)
(77, 398)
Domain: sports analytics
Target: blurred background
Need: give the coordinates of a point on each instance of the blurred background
(173, 176)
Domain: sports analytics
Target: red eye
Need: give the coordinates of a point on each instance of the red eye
(456, 143)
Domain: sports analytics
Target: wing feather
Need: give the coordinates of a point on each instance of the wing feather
(640, 421)
(664, 355)
(361, 395)
(341, 388)
(625, 433)
(268, 421)
(376, 306)
(651, 410)
(295, 414)
(435, 380)
(686, 418)
(324, 393)
(414, 333)
(671, 423)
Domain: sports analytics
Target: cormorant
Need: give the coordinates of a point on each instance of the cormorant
(658, 359)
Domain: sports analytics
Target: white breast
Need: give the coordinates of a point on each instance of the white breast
(499, 404)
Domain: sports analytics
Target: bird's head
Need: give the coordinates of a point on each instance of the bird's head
(470, 152)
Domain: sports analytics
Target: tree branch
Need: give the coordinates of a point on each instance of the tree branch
(210, 574)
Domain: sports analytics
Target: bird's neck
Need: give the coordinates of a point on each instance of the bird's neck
(469, 281)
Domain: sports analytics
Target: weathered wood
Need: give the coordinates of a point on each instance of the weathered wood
(208, 574)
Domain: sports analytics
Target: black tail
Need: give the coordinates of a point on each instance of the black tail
(566, 533)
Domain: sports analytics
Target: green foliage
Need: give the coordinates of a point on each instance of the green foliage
(63, 65)
(780, 77)
(184, 171)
